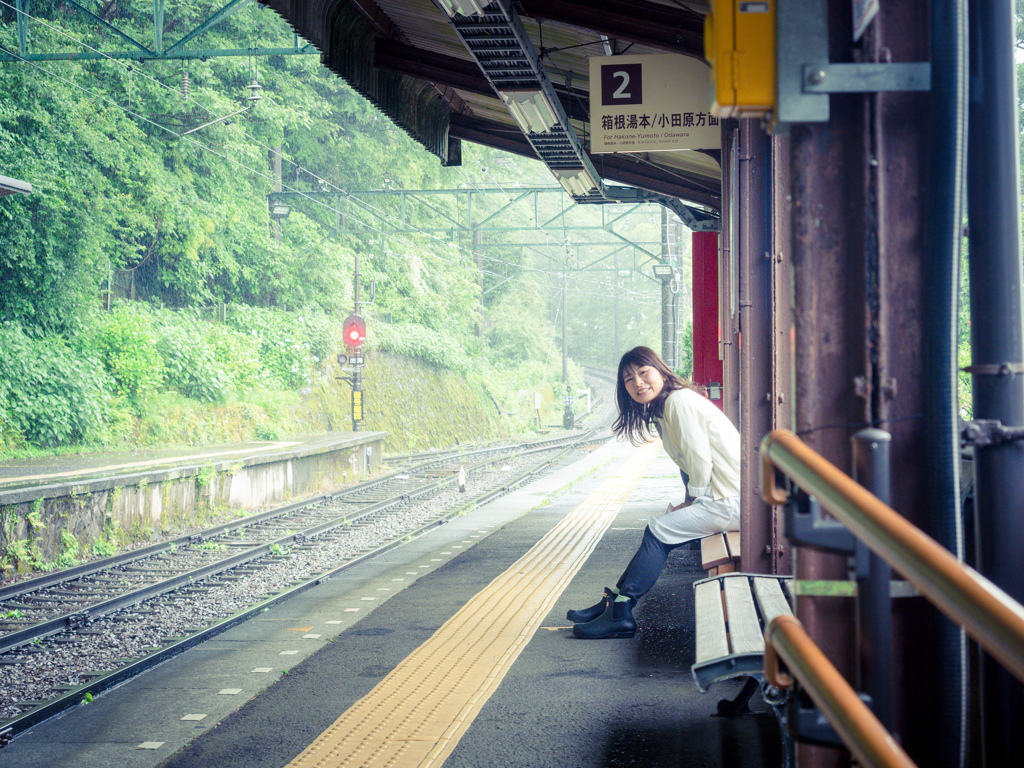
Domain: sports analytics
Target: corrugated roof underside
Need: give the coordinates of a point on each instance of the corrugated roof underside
(345, 39)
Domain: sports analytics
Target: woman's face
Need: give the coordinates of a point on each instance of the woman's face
(643, 383)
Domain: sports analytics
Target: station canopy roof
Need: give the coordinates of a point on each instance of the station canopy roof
(10, 186)
(437, 75)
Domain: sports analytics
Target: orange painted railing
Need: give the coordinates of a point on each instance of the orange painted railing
(990, 616)
(856, 725)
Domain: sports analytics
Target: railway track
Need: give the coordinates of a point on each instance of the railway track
(176, 594)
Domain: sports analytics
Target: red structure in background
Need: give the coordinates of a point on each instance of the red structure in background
(707, 363)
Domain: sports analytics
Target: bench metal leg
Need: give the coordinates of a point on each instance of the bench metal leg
(788, 742)
(738, 706)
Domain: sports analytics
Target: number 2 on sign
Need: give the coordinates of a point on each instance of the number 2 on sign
(621, 92)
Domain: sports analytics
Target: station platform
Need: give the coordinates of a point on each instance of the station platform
(169, 491)
(54, 474)
(452, 649)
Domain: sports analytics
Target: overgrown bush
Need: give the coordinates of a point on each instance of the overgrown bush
(190, 365)
(51, 394)
(285, 346)
(415, 340)
(239, 356)
(125, 341)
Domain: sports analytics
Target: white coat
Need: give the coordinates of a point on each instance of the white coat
(703, 443)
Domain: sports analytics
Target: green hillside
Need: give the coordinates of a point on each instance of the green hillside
(143, 279)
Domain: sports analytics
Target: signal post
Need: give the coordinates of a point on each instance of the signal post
(354, 332)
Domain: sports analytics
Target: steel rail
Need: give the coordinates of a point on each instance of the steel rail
(853, 721)
(13, 640)
(990, 616)
(15, 725)
(427, 459)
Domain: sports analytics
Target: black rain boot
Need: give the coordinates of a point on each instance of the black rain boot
(593, 612)
(616, 621)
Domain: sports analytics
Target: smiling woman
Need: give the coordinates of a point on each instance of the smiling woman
(705, 446)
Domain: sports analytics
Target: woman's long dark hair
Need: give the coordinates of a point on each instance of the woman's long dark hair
(635, 420)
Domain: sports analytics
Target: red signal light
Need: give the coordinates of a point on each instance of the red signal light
(353, 331)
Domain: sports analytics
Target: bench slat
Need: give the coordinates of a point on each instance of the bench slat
(733, 539)
(713, 551)
(771, 599)
(711, 637)
(744, 627)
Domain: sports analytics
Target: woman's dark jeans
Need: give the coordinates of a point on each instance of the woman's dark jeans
(646, 566)
(649, 561)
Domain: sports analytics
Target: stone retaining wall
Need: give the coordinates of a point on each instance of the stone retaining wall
(50, 525)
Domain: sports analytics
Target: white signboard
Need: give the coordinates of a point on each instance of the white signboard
(650, 104)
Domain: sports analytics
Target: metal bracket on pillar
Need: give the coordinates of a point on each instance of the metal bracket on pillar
(805, 77)
(806, 724)
(867, 78)
(806, 526)
(982, 433)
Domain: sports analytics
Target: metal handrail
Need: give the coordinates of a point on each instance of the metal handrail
(990, 616)
(851, 718)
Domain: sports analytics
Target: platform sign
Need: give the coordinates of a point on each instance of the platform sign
(651, 103)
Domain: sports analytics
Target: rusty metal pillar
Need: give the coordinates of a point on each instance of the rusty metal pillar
(754, 185)
(858, 190)
(782, 326)
(829, 169)
(727, 306)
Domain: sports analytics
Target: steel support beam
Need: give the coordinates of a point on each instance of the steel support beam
(858, 246)
(402, 59)
(212, 21)
(695, 189)
(674, 29)
(143, 53)
(727, 299)
(997, 338)
(755, 309)
(782, 326)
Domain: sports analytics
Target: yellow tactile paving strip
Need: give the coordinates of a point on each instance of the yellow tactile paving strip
(416, 715)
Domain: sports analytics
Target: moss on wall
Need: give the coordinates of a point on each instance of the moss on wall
(419, 405)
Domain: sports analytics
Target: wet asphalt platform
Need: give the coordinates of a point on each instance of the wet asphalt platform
(257, 695)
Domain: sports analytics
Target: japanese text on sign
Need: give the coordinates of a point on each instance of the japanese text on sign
(651, 103)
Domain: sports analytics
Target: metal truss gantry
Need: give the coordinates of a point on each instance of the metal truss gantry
(156, 51)
(462, 222)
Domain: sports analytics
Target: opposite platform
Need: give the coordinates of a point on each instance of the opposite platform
(143, 494)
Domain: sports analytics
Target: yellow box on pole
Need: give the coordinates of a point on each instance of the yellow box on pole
(739, 43)
(357, 405)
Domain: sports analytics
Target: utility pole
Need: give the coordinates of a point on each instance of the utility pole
(275, 165)
(668, 307)
(565, 358)
(618, 348)
(478, 253)
(357, 373)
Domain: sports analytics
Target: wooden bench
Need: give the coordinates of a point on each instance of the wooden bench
(720, 552)
(732, 611)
